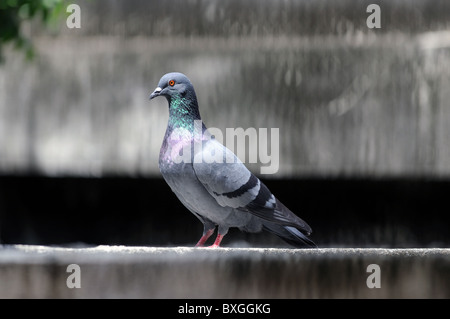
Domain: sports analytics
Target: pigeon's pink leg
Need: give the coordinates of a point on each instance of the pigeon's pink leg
(217, 242)
(204, 238)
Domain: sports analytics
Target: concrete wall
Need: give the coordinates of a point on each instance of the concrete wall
(143, 272)
(348, 100)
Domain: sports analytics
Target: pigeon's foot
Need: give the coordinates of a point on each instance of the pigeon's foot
(204, 238)
(217, 242)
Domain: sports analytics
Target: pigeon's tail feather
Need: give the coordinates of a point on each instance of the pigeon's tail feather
(290, 234)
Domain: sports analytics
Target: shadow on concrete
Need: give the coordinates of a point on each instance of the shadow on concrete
(144, 212)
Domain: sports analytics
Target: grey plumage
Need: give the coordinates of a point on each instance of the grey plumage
(222, 192)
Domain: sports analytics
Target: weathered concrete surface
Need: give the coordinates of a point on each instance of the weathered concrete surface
(348, 100)
(147, 272)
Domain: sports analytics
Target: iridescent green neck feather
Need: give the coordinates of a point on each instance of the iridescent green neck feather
(183, 111)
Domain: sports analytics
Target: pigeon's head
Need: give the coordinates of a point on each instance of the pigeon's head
(174, 85)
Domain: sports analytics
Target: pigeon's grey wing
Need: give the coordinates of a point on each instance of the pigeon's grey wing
(267, 207)
(233, 185)
(224, 176)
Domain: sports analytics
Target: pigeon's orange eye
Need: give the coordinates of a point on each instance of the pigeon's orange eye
(171, 82)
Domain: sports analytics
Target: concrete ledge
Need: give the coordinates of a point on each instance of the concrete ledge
(148, 272)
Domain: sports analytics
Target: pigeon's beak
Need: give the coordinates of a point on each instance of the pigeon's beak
(155, 93)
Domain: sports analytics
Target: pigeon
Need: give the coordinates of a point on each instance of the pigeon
(211, 181)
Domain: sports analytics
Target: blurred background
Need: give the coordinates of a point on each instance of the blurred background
(363, 116)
